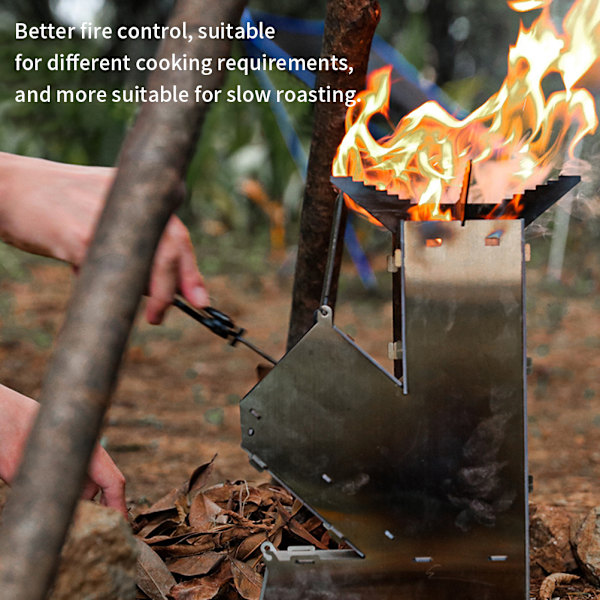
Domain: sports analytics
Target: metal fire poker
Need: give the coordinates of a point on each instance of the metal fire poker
(423, 473)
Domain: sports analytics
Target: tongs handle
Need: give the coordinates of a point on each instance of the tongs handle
(222, 325)
(218, 322)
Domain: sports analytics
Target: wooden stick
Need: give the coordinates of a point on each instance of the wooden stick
(349, 29)
(84, 366)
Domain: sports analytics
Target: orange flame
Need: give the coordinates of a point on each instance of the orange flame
(512, 210)
(515, 140)
(429, 212)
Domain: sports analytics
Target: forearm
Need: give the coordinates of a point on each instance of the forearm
(50, 208)
(17, 414)
(9, 173)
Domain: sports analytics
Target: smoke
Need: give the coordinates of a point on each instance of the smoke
(584, 200)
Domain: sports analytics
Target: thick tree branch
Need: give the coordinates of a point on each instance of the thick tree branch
(349, 29)
(84, 366)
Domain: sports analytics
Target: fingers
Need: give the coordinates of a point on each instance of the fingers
(191, 284)
(163, 280)
(90, 489)
(106, 478)
(174, 269)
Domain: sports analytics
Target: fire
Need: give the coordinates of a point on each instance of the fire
(510, 211)
(515, 140)
(429, 211)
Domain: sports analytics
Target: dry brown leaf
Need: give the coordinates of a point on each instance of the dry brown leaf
(159, 513)
(298, 530)
(200, 476)
(312, 523)
(179, 550)
(297, 507)
(173, 538)
(276, 538)
(198, 589)
(182, 507)
(274, 493)
(287, 513)
(196, 565)
(167, 502)
(156, 527)
(202, 525)
(236, 519)
(153, 576)
(205, 588)
(255, 563)
(203, 513)
(227, 538)
(277, 527)
(247, 581)
(250, 545)
(158, 539)
(249, 511)
(221, 492)
(552, 581)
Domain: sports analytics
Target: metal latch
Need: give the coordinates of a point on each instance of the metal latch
(395, 350)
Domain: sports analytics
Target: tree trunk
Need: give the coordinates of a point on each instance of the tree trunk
(349, 29)
(84, 366)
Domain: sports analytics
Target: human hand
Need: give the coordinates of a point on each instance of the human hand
(174, 270)
(18, 415)
(105, 478)
(52, 209)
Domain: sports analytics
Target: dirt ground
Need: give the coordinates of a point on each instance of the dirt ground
(177, 400)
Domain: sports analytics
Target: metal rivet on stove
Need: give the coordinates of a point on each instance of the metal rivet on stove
(389, 534)
(251, 432)
(326, 478)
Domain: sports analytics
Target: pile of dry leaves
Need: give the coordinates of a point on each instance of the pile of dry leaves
(199, 543)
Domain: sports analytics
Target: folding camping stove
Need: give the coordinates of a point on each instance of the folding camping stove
(424, 472)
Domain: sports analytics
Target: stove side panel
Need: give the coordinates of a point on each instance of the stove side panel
(465, 363)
